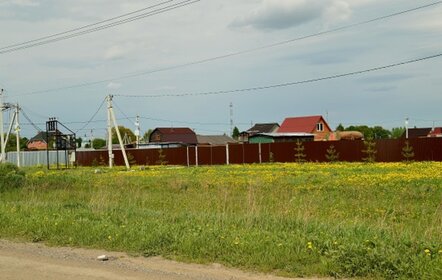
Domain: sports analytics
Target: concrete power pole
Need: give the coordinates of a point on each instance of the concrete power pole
(111, 120)
(2, 136)
(137, 130)
(231, 119)
(17, 132)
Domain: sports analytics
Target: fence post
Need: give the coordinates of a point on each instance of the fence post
(260, 156)
(196, 155)
(227, 154)
(188, 160)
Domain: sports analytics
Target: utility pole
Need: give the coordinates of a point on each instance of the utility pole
(112, 120)
(231, 118)
(17, 132)
(137, 130)
(2, 136)
(109, 131)
(406, 128)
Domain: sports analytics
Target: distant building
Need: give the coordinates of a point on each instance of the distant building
(38, 142)
(257, 129)
(173, 135)
(315, 125)
(214, 140)
(280, 137)
(423, 132)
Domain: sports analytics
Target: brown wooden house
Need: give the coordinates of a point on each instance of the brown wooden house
(173, 135)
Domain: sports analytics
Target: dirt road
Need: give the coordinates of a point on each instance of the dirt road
(23, 261)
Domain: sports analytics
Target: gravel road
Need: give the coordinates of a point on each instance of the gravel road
(23, 261)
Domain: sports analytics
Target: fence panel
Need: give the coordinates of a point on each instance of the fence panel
(427, 149)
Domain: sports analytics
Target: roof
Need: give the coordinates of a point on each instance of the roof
(215, 139)
(436, 132)
(277, 134)
(41, 136)
(263, 128)
(301, 124)
(417, 132)
(176, 135)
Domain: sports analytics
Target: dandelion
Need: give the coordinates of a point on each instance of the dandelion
(310, 245)
(109, 237)
(427, 252)
(440, 251)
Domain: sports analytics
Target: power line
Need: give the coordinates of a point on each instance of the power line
(243, 90)
(120, 22)
(233, 54)
(82, 27)
(30, 121)
(93, 116)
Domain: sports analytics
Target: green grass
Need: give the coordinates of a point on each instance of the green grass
(340, 220)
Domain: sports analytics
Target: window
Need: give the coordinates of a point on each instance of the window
(319, 127)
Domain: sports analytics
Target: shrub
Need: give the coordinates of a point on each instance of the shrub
(369, 151)
(332, 155)
(10, 176)
(407, 152)
(299, 155)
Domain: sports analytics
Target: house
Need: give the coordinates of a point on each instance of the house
(173, 135)
(38, 142)
(214, 140)
(280, 137)
(312, 124)
(422, 132)
(257, 129)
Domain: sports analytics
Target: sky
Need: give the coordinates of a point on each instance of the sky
(44, 79)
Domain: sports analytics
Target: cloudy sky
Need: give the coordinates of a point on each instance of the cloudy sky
(44, 79)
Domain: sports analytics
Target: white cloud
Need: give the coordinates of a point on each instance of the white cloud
(114, 86)
(282, 14)
(22, 3)
(114, 53)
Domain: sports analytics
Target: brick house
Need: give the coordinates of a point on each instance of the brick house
(312, 124)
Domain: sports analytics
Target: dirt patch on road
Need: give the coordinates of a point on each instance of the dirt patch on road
(38, 262)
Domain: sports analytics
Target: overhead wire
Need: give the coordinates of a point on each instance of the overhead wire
(260, 88)
(93, 116)
(233, 54)
(87, 31)
(30, 121)
(83, 27)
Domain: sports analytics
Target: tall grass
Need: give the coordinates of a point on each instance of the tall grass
(341, 220)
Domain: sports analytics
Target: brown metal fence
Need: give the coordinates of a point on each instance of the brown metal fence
(425, 149)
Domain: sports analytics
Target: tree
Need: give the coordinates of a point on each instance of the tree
(332, 155)
(147, 134)
(98, 143)
(299, 152)
(369, 151)
(79, 141)
(397, 132)
(408, 152)
(340, 127)
(235, 133)
(123, 131)
(12, 143)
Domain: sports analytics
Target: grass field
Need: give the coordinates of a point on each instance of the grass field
(341, 220)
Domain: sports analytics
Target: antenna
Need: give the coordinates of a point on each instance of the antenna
(231, 118)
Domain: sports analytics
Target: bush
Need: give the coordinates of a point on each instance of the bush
(10, 176)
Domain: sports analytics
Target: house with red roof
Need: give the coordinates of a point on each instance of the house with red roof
(173, 135)
(315, 125)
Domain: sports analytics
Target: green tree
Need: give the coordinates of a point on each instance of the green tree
(369, 151)
(235, 133)
(299, 152)
(79, 141)
(332, 155)
(397, 132)
(340, 127)
(12, 143)
(407, 152)
(98, 143)
(123, 131)
(147, 134)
